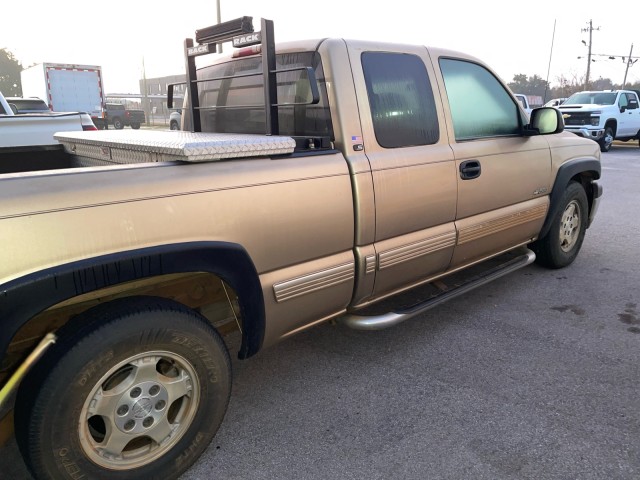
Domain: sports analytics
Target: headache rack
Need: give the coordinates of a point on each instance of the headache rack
(241, 34)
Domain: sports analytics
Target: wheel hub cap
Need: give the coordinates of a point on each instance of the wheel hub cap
(570, 226)
(141, 407)
(138, 410)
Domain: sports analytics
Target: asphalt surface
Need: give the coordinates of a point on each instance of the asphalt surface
(534, 376)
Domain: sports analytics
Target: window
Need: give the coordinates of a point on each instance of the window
(243, 97)
(632, 103)
(28, 105)
(592, 98)
(623, 102)
(480, 105)
(402, 104)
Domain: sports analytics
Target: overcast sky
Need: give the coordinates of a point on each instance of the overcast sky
(512, 37)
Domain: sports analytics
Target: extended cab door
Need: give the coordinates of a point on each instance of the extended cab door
(503, 177)
(412, 165)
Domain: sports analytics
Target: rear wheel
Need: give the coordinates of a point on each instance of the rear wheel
(174, 125)
(135, 126)
(133, 389)
(562, 243)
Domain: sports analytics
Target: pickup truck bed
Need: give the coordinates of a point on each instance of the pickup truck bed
(30, 130)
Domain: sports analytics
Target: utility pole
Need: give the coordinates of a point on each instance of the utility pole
(629, 62)
(590, 30)
(147, 106)
(218, 22)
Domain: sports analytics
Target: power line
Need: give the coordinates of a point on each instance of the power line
(629, 60)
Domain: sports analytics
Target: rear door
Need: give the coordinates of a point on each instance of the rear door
(503, 178)
(412, 165)
(629, 123)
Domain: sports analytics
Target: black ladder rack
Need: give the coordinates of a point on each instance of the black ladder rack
(240, 33)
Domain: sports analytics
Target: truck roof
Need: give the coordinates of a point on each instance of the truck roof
(311, 44)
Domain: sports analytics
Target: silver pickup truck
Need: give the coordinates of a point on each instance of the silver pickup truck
(26, 128)
(364, 182)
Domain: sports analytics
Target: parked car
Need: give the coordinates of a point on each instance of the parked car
(23, 132)
(524, 102)
(119, 116)
(27, 105)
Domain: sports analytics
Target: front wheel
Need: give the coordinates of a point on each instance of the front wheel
(134, 389)
(606, 140)
(117, 124)
(560, 246)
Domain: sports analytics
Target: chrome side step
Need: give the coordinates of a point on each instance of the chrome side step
(378, 322)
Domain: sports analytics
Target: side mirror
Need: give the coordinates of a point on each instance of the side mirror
(623, 109)
(544, 121)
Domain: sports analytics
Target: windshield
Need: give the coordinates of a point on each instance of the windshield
(593, 98)
(243, 97)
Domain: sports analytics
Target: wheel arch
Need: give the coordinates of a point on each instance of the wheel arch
(613, 123)
(25, 297)
(581, 170)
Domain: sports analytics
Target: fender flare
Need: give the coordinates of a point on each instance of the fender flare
(23, 298)
(566, 172)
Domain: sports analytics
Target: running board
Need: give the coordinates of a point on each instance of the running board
(378, 322)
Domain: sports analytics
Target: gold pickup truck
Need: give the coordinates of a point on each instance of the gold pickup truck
(355, 181)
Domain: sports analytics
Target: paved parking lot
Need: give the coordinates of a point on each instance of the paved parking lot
(535, 376)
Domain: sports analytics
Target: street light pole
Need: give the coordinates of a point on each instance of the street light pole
(624, 82)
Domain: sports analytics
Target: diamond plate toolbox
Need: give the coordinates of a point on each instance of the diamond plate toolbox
(138, 146)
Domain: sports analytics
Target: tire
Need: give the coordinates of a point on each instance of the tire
(606, 140)
(135, 126)
(133, 389)
(560, 246)
(174, 125)
(117, 124)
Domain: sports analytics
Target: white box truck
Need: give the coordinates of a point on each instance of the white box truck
(66, 87)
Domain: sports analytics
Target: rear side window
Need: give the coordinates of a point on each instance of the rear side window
(402, 104)
(480, 105)
(28, 105)
(242, 98)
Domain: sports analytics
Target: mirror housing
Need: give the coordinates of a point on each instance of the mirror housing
(544, 121)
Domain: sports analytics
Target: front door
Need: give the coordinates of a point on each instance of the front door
(503, 177)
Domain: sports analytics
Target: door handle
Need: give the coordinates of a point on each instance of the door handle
(470, 169)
